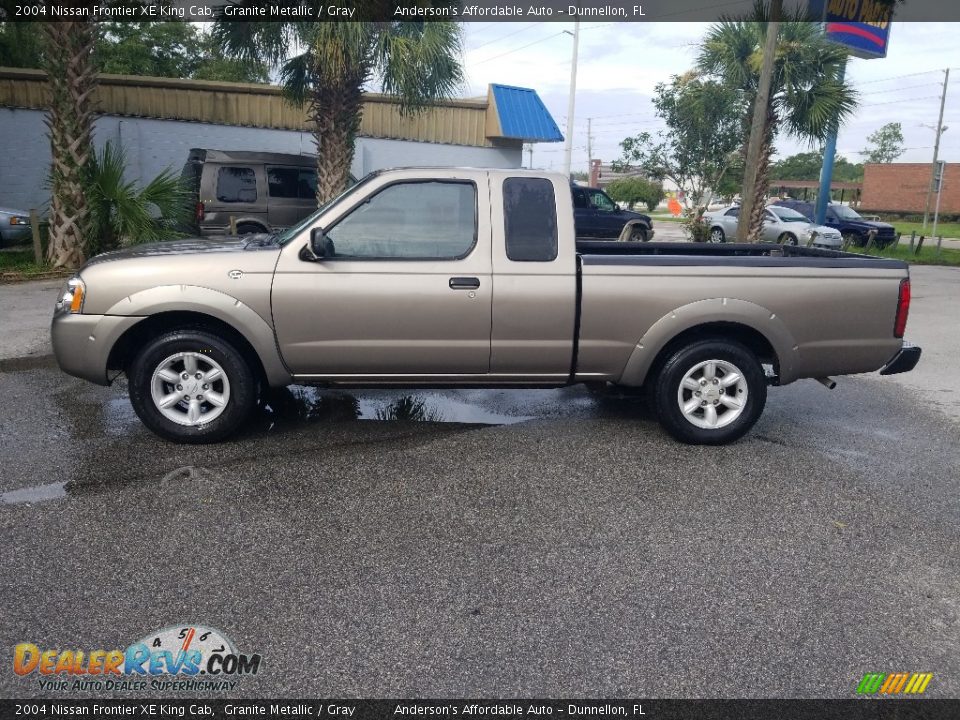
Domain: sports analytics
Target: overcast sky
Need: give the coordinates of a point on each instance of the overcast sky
(620, 63)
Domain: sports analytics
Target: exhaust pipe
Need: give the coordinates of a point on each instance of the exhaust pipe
(827, 382)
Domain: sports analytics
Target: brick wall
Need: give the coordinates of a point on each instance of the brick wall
(902, 187)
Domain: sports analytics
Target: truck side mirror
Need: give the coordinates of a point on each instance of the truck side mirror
(320, 246)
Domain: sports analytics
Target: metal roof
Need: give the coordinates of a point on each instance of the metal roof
(522, 115)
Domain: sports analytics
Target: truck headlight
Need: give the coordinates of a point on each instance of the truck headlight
(71, 297)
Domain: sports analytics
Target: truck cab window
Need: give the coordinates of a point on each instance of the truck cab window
(580, 199)
(600, 201)
(236, 184)
(410, 220)
(530, 219)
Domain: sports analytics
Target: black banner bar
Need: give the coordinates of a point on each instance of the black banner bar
(456, 10)
(331, 709)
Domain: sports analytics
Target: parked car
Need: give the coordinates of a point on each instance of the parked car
(780, 225)
(597, 217)
(264, 192)
(14, 226)
(439, 277)
(847, 222)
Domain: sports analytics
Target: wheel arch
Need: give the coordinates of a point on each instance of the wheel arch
(169, 307)
(126, 346)
(628, 228)
(761, 331)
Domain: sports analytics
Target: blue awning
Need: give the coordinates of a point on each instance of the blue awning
(519, 114)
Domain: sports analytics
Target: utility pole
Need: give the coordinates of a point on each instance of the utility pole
(936, 148)
(760, 105)
(571, 101)
(589, 144)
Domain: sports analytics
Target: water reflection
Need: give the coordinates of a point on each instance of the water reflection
(307, 404)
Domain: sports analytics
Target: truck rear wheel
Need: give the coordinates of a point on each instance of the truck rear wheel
(710, 392)
(191, 386)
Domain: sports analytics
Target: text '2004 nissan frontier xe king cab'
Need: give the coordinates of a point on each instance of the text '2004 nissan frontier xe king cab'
(473, 278)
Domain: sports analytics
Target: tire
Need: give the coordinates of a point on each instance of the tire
(638, 233)
(787, 239)
(203, 419)
(250, 229)
(687, 366)
(717, 235)
(855, 239)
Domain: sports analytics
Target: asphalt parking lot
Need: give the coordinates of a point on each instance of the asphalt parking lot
(499, 543)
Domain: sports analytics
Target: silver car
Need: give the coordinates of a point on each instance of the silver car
(14, 226)
(780, 225)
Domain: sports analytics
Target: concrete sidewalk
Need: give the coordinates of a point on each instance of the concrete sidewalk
(25, 312)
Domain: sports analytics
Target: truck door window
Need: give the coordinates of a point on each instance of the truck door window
(410, 220)
(601, 202)
(530, 219)
(236, 185)
(580, 199)
(282, 182)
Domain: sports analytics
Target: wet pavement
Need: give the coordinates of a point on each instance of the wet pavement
(491, 543)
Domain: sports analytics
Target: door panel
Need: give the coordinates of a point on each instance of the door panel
(390, 300)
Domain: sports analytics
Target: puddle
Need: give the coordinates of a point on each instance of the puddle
(308, 404)
(37, 493)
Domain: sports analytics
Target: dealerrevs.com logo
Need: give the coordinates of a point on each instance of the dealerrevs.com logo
(183, 657)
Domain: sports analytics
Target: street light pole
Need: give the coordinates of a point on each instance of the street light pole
(571, 101)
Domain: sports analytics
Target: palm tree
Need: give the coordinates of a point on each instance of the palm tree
(72, 80)
(326, 65)
(808, 96)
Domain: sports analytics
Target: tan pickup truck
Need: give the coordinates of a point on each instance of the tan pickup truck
(473, 278)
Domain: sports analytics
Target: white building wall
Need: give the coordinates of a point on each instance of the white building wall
(153, 145)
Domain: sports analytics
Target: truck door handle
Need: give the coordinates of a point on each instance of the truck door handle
(464, 283)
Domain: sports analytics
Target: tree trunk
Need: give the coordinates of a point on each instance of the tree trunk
(336, 112)
(762, 185)
(71, 78)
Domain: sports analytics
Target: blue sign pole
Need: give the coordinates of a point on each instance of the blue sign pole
(826, 171)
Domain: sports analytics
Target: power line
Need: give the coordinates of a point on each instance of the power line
(522, 47)
(899, 89)
(504, 37)
(902, 100)
(898, 77)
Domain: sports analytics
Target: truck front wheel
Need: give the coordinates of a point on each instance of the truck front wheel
(191, 386)
(710, 392)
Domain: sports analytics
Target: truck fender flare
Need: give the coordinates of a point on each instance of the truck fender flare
(625, 233)
(704, 312)
(206, 301)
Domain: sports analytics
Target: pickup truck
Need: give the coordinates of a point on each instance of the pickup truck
(597, 217)
(472, 278)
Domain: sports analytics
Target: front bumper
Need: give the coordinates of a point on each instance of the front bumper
(82, 343)
(904, 361)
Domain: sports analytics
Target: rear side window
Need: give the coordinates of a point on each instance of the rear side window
(282, 182)
(530, 219)
(733, 212)
(580, 199)
(236, 185)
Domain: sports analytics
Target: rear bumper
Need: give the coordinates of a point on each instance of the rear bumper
(904, 361)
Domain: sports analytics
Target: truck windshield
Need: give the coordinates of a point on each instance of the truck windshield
(291, 232)
(845, 213)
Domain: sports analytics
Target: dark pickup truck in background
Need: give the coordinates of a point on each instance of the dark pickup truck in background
(851, 226)
(597, 217)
